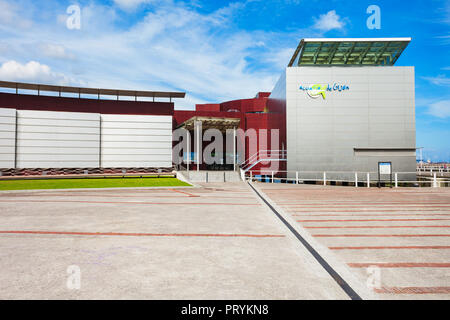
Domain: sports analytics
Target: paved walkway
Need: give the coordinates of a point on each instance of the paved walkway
(402, 235)
(218, 241)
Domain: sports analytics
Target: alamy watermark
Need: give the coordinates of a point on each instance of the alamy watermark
(374, 277)
(374, 20)
(74, 280)
(73, 21)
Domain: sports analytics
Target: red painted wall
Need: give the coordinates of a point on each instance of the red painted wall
(208, 107)
(48, 103)
(263, 95)
(253, 114)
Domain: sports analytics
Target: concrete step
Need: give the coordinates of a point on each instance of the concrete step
(211, 176)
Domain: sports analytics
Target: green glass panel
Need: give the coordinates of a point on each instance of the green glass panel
(349, 53)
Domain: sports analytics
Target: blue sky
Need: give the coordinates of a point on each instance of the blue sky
(218, 50)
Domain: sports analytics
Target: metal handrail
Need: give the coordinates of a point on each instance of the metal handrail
(359, 177)
(255, 158)
(257, 154)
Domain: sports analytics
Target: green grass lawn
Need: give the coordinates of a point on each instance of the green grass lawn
(91, 183)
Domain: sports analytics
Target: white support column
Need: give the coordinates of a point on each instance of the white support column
(188, 151)
(356, 179)
(198, 146)
(272, 176)
(368, 180)
(324, 178)
(435, 185)
(296, 177)
(234, 148)
(396, 180)
(198, 130)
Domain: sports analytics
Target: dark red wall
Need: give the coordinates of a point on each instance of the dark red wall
(47, 103)
(253, 114)
(263, 94)
(208, 107)
(245, 105)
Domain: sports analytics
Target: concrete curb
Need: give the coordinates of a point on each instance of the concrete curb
(357, 284)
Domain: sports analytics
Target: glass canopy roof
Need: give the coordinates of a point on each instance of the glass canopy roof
(348, 52)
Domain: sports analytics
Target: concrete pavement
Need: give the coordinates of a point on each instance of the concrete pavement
(217, 241)
(398, 237)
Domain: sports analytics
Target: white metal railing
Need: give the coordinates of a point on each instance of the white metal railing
(263, 156)
(441, 170)
(434, 166)
(353, 178)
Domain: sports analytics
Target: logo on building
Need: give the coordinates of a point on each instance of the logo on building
(317, 90)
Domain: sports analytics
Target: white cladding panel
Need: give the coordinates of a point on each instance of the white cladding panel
(49, 139)
(7, 137)
(136, 141)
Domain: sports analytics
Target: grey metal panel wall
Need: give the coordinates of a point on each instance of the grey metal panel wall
(136, 141)
(277, 98)
(50, 139)
(7, 137)
(377, 112)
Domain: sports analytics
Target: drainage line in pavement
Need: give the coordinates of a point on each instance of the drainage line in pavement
(339, 280)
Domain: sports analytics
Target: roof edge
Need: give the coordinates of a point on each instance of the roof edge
(92, 91)
(406, 39)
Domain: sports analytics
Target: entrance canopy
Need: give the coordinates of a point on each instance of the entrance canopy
(211, 123)
(203, 123)
(348, 52)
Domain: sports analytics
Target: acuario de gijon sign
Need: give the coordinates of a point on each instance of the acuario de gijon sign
(316, 90)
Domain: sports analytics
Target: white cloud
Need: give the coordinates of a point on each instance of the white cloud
(177, 48)
(10, 15)
(130, 4)
(440, 109)
(56, 51)
(173, 47)
(6, 12)
(439, 80)
(329, 21)
(4, 48)
(447, 13)
(31, 72)
(280, 58)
